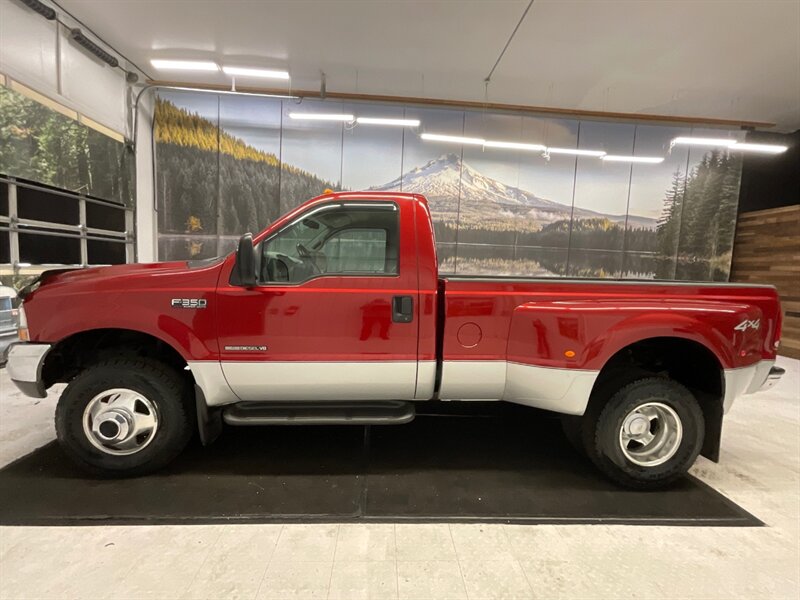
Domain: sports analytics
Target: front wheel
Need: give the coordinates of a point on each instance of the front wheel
(647, 435)
(124, 416)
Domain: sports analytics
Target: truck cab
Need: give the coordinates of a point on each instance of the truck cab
(336, 313)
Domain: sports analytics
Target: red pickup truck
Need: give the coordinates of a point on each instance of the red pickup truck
(336, 314)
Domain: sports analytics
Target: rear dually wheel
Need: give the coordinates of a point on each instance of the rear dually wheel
(647, 435)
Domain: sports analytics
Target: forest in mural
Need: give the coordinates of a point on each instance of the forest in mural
(190, 169)
(227, 165)
(699, 218)
(42, 145)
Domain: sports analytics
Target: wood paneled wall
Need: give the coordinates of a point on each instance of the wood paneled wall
(767, 250)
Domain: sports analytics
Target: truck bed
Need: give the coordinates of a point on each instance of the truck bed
(542, 341)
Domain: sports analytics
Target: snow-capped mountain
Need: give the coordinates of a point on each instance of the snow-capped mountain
(444, 179)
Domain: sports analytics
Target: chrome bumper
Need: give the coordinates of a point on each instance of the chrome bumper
(749, 380)
(24, 365)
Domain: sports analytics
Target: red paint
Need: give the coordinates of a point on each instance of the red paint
(535, 322)
(336, 318)
(330, 318)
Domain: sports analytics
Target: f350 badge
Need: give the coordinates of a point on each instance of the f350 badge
(747, 324)
(189, 303)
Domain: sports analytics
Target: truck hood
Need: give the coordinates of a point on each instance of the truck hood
(101, 274)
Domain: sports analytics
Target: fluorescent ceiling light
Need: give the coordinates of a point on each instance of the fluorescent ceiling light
(515, 146)
(702, 141)
(380, 121)
(321, 116)
(634, 159)
(188, 88)
(185, 65)
(456, 139)
(248, 72)
(766, 148)
(576, 152)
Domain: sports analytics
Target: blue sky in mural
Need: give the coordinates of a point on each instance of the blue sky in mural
(361, 157)
(372, 155)
(255, 120)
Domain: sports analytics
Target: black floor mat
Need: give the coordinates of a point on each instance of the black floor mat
(509, 466)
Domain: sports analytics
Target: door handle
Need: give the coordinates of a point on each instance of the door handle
(402, 309)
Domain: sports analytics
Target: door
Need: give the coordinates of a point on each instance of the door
(334, 316)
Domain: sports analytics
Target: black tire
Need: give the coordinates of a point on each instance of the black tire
(602, 427)
(163, 386)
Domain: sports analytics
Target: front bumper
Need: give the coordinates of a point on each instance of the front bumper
(24, 362)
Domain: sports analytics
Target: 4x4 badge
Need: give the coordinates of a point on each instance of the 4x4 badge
(747, 324)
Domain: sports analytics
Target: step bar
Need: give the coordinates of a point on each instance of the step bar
(388, 412)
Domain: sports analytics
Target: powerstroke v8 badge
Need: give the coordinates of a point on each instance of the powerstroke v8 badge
(246, 348)
(189, 303)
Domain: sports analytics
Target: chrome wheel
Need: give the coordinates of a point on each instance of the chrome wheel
(650, 434)
(120, 421)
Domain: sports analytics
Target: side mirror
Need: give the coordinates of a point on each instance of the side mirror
(244, 269)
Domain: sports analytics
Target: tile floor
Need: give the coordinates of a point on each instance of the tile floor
(760, 470)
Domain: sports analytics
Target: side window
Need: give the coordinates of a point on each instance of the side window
(357, 251)
(348, 238)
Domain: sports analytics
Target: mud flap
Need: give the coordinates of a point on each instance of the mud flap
(209, 422)
(712, 414)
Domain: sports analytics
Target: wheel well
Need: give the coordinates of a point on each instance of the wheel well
(685, 361)
(73, 354)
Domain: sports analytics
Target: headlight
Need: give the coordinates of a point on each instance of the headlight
(23, 325)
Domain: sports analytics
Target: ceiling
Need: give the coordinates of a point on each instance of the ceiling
(708, 58)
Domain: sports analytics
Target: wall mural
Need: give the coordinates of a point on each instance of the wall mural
(42, 145)
(230, 164)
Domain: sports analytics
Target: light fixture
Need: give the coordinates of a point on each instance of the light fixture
(248, 72)
(381, 121)
(765, 148)
(456, 139)
(41, 8)
(575, 151)
(78, 37)
(515, 146)
(634, 159)
(702, 141)
(184, 65)
(188, 88)
(321, 116)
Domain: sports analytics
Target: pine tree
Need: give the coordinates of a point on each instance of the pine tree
(668, 227)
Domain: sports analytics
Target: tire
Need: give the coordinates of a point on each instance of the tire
(650, 406)
(159, 396)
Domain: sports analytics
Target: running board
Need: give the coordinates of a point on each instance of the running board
(389, 412)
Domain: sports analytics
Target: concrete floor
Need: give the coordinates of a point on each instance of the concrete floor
(760, 470)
